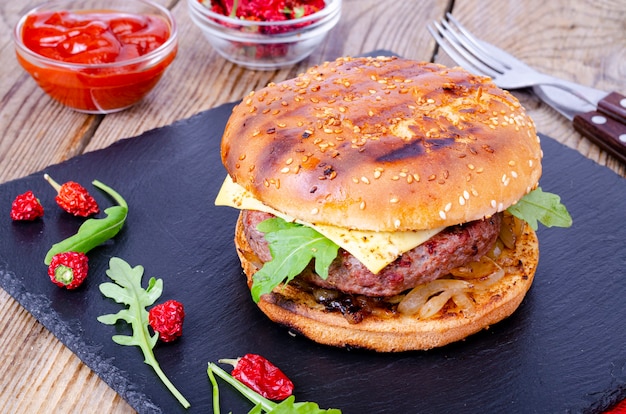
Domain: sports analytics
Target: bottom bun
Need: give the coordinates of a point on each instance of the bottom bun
(385, 330)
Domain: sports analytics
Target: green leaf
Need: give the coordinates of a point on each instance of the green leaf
(93, 232)
(124, 340)
(290, 406)
(127, 290)
(543, 207)
(292, 246)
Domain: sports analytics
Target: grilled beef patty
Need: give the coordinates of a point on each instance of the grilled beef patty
(451, 248)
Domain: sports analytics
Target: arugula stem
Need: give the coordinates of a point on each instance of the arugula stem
(216, 390)
(151, 360)
(255, 398)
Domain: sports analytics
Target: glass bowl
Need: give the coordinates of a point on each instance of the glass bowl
(264, 45)
(98, 88)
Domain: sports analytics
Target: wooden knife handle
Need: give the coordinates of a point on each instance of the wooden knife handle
(606, 132)
(614, 105)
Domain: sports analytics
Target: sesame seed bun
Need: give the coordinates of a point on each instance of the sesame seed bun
(383, 144)
(386, 331)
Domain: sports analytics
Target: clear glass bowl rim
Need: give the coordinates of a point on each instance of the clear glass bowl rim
(330, 8)
(154, 56)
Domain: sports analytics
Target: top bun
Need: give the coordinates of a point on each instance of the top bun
(383, 144)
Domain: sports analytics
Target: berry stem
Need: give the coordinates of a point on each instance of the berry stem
(53, 183)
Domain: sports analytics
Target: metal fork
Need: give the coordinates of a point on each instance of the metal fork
(508, 72)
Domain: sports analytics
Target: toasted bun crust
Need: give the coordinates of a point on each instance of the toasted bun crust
(383, 144)
(394, 332)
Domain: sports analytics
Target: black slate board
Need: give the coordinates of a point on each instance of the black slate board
(564, 350)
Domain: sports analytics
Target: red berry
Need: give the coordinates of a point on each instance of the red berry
(26, 207)
(74, 198)
(68, 269)
(167, 319)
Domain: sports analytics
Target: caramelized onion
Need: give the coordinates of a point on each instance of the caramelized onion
(476, 270)
(463, 302)
(510, 229)
(417, 298)
(428, 299)
(434, 304)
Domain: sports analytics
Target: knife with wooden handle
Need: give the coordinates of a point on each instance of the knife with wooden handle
(602, 122)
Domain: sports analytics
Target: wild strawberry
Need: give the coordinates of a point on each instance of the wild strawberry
(74, 198)
(167, 319)
(26, 207)
(68, 269)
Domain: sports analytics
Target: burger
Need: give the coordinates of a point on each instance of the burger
(386, 203)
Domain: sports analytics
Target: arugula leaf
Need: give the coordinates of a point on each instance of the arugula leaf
(127, 290)
(262, 404)
(543, 207)
(94, 232)
(292, 246)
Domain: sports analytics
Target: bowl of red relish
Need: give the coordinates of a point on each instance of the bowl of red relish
(96, 56)
(265, 34)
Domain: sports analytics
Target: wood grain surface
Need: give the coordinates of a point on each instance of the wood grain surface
(581, 40)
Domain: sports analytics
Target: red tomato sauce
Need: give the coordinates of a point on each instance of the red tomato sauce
(96, 38)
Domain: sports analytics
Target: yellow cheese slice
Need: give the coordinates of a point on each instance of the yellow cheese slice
(374, 249)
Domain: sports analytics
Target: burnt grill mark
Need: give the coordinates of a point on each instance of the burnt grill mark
(416, 148)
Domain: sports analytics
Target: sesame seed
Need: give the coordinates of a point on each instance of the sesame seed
(396, 224)
(285, 170)
(362, 205)
(314, 211)
(462, 200)
(493, 203)
(442, 214)
(447, 207)
(393, 200)
(282, 124)
(365, 180)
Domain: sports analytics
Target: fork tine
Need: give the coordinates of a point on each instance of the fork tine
(474, 45)
(449, 43)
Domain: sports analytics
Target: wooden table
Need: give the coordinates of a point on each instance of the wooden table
(577, 40)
